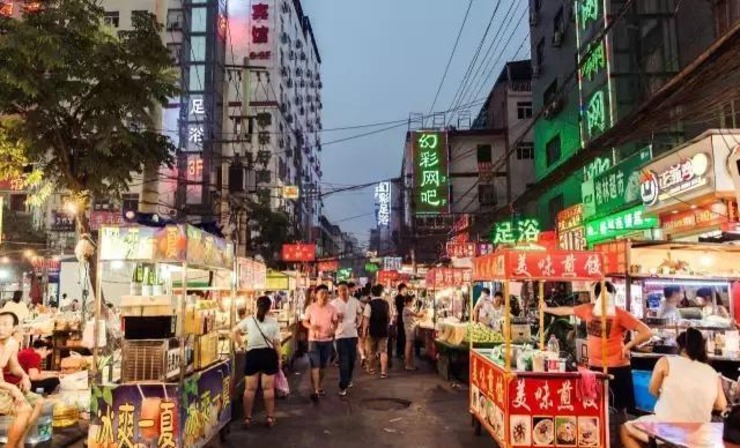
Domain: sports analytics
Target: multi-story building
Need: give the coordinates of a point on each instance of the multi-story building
(480, 172)
(276, 58)
(587, 79)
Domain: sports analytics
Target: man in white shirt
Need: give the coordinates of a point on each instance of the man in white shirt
(349, 312)
(17, 306)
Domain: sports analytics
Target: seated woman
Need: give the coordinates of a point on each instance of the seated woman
(688, 389)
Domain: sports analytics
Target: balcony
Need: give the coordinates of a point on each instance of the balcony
(520, 86)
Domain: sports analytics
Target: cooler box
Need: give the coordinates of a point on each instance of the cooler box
(644, 400)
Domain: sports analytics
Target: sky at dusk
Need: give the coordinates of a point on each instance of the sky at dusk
(382, 60)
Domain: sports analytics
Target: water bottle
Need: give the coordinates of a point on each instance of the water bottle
(553, 345)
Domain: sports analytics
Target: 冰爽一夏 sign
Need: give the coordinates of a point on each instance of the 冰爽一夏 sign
(431, 183)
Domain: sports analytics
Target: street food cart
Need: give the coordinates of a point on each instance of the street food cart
(170, 385)
(523, 406)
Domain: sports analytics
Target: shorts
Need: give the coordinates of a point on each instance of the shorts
(7, 402)
(410, 333)
(376, 345)
(319, 353)
(261, 360)
(621, 388)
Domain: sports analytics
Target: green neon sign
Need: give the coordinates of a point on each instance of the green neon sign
(371, 268)
(595, 63)
(344, 274)
(618, 224)
(588, 12)
(517, 231)
(431, 184)
(619, 186)
(596, 114)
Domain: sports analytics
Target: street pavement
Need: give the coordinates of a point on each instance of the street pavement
(409, 409)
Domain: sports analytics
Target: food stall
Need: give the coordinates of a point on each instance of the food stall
(171, 386)
(527, 398)
(288, 304)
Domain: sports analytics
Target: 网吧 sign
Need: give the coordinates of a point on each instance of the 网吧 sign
(431, 183)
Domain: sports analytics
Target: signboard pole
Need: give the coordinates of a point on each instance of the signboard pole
(541, 285)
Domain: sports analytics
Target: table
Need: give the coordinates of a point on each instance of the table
(685, 435)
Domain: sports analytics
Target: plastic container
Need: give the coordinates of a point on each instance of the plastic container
(553, 345)
(644, 400)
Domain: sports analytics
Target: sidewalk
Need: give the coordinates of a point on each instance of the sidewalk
(415, 409)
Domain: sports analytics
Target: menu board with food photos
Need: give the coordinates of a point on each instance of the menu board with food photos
(536, 409)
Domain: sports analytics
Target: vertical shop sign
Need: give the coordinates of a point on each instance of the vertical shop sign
(431, 183)
(383, 202)
(262, 32)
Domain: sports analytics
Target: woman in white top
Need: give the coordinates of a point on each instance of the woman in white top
(688, 389)
(263, 358)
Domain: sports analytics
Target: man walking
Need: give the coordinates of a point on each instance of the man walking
(349, 315)
(321, 321)
(376, 320)
(399, 303)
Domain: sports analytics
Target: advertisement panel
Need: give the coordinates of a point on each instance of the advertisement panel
(618, 224)
(299, 253)
(431, 182)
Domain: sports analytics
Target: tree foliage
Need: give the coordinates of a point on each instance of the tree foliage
(273, 230)
(77, 99)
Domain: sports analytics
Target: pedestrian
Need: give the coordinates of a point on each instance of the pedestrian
(687, 387)
(17, 306)
(263, 359)
(376, 323)
(364, 298)
(409, 330)
(349, 313)
(321, 321)
(619, 322)
(399, 304)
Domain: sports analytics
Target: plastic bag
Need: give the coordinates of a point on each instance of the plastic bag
(281, 384)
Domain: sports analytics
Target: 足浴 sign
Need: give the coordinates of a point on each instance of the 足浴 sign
(431, 184)
(687, 175)
(516, 231)
(621, 223)
(383, 201)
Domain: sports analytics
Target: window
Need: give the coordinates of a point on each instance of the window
(553, 150)
(18, 203)
(540, 52)
(198, 20)
(486, 194)
(484, 153)
(549, 95)
(175, 20)
(525, 151)
(555, 205)
(175, 51)
(112, 18)
(524, 110)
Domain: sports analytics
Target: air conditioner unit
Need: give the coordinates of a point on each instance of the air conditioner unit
(320, 85)
(289, 83)
(536, 70)
(284, 70)
(533, 17)
(557, 38)
(303, 55)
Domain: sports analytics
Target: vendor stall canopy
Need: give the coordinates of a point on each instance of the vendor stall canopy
(516, 264)
(170, 244)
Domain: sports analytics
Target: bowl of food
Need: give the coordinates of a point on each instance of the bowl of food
(565, 431)
(588, 431)
(543, 432)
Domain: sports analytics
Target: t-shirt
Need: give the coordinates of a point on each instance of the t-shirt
(347, 327)
(616, 326)
(322, 317)
(252, 327)
(409, 320)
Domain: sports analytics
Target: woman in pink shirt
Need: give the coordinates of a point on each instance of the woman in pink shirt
(321, 321)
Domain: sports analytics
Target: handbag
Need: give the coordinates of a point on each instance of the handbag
(731, 419)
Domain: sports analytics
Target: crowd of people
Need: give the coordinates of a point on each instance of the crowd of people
(357, 324)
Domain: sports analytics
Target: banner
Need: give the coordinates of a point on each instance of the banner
(299, 253)
(440, 278)
(539, 265)
(162, 415)
(328, 265)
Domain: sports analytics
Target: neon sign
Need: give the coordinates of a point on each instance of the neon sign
(680, 178)
(516, 231)
(621, 223)
(383, 200)
(431, 184)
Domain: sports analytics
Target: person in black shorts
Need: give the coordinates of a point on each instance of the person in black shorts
(263, 358)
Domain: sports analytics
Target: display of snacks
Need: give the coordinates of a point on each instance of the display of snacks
(566, 431)
(481, 333)
(521, 433)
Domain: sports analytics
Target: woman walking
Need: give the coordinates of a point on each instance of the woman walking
(409, 323)
(263, 358)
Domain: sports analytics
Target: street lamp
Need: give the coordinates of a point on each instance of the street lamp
(71, 207)
(28, 253)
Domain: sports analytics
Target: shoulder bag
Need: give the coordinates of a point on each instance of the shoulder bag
(267, 341)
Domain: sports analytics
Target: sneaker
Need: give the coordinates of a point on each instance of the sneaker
(350, 385)
(342, 392)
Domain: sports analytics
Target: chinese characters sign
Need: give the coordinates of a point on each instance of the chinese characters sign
(547, 265)
(328, 265)
(460, 250)
(262, 36)
(619, 186)
(570, 218)
(531, 409)
(696, 220)
(383, 201)
(252, 275)
(439, 278)
(392, 263)
(299, 252)
(431, 185)
(621, 223)
(516, 231)
(676, 179)
(615, 256)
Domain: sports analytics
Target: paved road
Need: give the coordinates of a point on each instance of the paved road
(425, 412)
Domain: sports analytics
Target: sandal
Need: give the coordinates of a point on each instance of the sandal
(247, 422)
(371, 372)
(270, 421)
(383, 376)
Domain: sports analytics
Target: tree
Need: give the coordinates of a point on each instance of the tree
(77, 101)
(273, 230)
